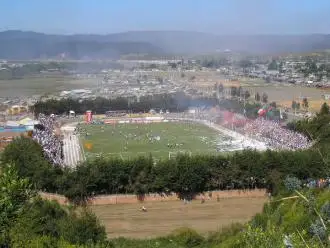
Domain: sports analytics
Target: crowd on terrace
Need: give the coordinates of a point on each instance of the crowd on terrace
(275, 136)
(269, 132)
(51, 144)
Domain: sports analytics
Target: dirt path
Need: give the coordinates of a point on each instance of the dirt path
(133, 199)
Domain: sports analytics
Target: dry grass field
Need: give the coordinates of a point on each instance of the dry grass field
(314, 105)
(163, 217)
(30, 86)
(282, 93)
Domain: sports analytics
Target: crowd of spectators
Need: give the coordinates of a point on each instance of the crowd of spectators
(269, 132)
(275, 136)
(51, 143)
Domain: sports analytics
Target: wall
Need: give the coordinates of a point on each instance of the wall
(129, 199)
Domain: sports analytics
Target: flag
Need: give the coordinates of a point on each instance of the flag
(88, 146)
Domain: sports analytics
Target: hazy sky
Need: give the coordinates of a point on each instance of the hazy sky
(214, 16)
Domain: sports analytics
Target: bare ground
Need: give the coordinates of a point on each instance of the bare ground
(162, 218)
(121, 214)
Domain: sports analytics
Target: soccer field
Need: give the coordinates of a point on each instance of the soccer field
(157, 139)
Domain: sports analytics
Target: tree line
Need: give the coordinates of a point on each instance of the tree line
(173, 102)
(184, 175)
(177, 102)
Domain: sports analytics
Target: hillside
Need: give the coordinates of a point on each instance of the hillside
(32, 45)
(197, 42)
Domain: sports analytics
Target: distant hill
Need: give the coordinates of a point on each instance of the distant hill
(31, 45)
(196, 42)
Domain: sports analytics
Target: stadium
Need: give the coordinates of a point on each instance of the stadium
(66, 141)
(162, 135)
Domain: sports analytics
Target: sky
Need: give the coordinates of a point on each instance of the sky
(211, 16)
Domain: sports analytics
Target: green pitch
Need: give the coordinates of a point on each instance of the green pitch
(157, 139)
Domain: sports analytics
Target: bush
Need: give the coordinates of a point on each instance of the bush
(292, 183)
(82, 229)
(187, 237)
(225, 233)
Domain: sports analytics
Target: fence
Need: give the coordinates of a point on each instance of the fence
(131, 199)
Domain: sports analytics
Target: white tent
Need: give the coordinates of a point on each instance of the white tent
(31, 123)
(72, 113)
(12, 124)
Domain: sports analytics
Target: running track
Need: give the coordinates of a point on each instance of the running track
(72, 150)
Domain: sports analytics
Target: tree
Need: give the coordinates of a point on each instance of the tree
(82, 183)
(324, 109)
(305, 103)
(233, 91)
(280, 67)
(273, 65)
(152, 66)
(245, 63)
(38, 218)
(42, 218)
(264, 98)
(191, 177)
(220, 88)
(173, 65)
(292, 183)
(160, 80)
(82, 229)
(273, 104)
(247, 95)
(239, 92)
(257, 97)
(27, 157)
(14, 194)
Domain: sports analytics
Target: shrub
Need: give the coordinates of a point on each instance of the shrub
(292, 183)
(187, 237)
